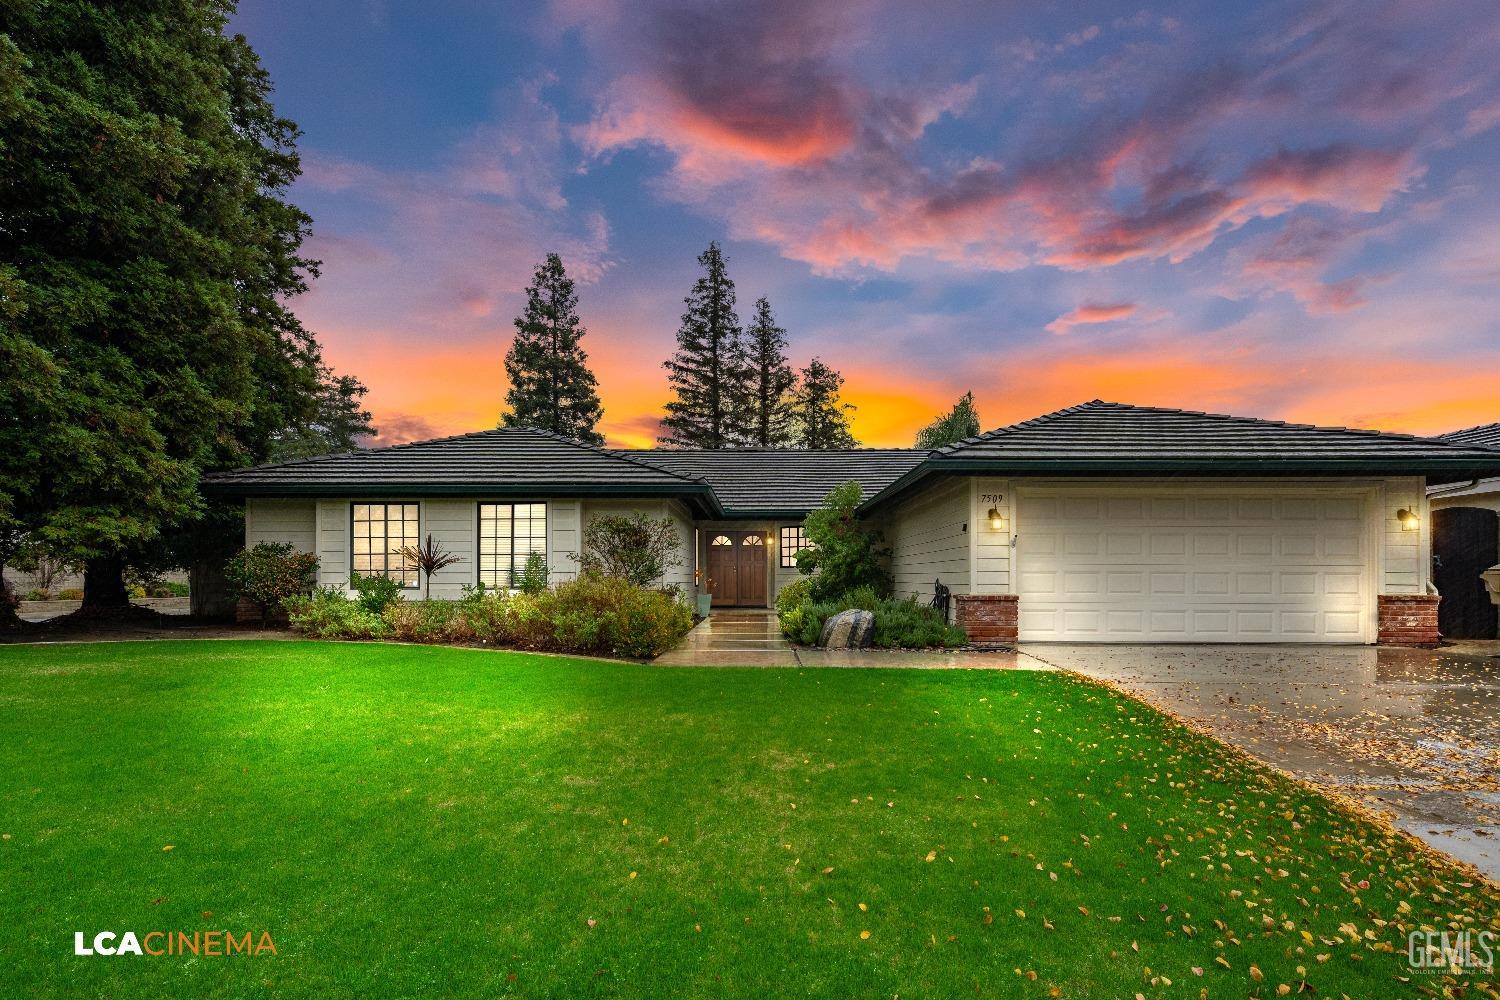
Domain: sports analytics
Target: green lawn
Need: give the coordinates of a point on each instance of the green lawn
(423, 821)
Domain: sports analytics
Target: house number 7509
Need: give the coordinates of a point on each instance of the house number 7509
(991, 498)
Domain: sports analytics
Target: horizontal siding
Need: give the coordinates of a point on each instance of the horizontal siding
(333, 543)
(929, 541)
(1406, 553)
(278, 521)
(453, 527)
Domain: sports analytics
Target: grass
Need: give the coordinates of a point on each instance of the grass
(426, 821)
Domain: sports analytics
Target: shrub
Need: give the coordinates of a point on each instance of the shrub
(421, 621)
(899, 624)
(70, 594)
(136, 591)
(791, 604)
(376, 593)
(328, 614)
(483, 616)
(534, 576)
(843, 555)
(636, 548)
(270, 573)
(36, 595)
(599, 614)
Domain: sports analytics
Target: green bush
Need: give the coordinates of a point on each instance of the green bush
(270, 573)
(421, 621)
(36, 595)
(635, 547)
(376, 593)
(328, 614)
(70, 594)
(483, 616)
(534, 576)
(600, 615)
(843, 554)
(899, 624)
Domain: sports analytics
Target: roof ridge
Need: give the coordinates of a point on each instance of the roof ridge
(948, 449)
(1467, 430)
(608, 453)
(1095, 404)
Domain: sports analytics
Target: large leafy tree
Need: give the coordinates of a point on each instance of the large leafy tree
(958, 423)
(708, 371)
(770, 380)
(147, 251)
(820, 418)
(551, 386)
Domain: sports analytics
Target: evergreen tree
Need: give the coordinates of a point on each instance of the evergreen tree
(551, 386)
(771, 380)
(708, 371)
(341, 422)
(958, 423)
(146, 255)
(819, 418)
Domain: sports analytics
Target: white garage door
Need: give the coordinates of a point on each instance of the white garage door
(1191, 567)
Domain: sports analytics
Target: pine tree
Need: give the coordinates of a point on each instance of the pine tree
(771, 380)
(551, 386)
(340, 424)
(819, 418)
(958, 423)
(708, 372)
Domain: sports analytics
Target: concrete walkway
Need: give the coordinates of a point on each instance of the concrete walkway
(750, 637)
(1414, 733)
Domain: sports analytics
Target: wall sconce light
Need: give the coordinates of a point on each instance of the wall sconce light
(1408, 518)
(997, 519)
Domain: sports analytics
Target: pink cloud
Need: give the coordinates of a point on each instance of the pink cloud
(782, 137)
(1087, 315)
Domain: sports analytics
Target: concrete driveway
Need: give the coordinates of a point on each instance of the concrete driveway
(1414, 733)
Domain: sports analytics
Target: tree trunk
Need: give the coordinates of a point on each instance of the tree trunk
(104, 584)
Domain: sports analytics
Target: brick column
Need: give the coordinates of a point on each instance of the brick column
(1408, 620)
(989, 619)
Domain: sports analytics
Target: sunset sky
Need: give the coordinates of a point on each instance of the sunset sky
(1285, 213)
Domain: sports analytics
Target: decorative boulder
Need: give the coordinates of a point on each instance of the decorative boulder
(848, 630)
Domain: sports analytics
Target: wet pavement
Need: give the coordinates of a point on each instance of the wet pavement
(1412, 733)
(752, 638)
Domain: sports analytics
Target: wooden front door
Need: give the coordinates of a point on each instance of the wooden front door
(737, 569)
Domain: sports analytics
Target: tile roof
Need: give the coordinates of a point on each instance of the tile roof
(1106, 438)
(1485, 435)
(1096, 438)
(772, 481)
(507, 461)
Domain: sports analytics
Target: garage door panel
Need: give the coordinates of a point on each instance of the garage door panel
(1190, 567)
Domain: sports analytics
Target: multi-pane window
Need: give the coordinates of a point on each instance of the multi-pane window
(508, 534)
(380, 531)
(793, 540)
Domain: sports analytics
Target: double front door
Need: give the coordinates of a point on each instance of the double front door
(737, 569)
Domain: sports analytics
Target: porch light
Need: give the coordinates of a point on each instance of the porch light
(1408, 518)
(997, 519)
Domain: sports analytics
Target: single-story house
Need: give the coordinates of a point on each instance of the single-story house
(1103, 522)
(1466, 546)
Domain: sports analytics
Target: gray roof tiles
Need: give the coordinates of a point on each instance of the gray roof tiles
(1093, 438)
(1121, 431)
(1485, 435)
(784, 481)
